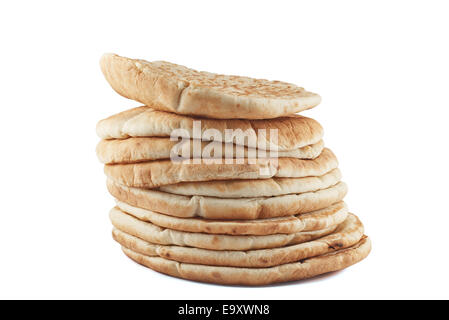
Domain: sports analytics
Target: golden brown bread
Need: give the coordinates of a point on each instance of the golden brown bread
(347, 234)
(158, 173)
(302, 269)
(254, 188)
(178, 89)
(293, 132)
(141, 149)
(228, 209)
(155, 234)
(202, 231)
(315, 220)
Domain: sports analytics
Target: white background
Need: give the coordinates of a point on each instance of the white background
(382, 70)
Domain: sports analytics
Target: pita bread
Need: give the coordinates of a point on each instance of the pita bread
(228, 209)
(254, 188)
(132, 150)
(165, 172)
(175, 88)
(347, 234)
(315, 220)
(303, 269)
(154, 234)
(293, 132)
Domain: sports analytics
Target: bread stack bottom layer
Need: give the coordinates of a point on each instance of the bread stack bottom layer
(241, 259)
(299, 270)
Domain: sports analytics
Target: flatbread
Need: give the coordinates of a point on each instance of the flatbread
(254, 188)
(227, 209)
(347, 234)
(293, 132)
(158, 173)
(175, 88)
(303, 269)
(154, 234)
(132, 150)
(315, 220)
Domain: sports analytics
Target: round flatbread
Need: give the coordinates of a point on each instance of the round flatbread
(254, 188)
(315, 220)
(293, 132)
(347, 234)
(175, 88)
(132, 150)
(228, 209)
(154, 234)
(154, 174)
(303, 269)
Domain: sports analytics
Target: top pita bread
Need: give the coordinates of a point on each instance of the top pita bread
(293, 132)
(170, 87)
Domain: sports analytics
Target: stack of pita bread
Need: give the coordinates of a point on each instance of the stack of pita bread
(248, 220)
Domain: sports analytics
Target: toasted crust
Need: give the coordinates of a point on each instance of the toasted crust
(228, 209)
(178, 89)
(302, 269)
(132, 150)
(315, 220)
(254, 188)
(165, 172)
(347, 234)
(293, 132)
(155, 234)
